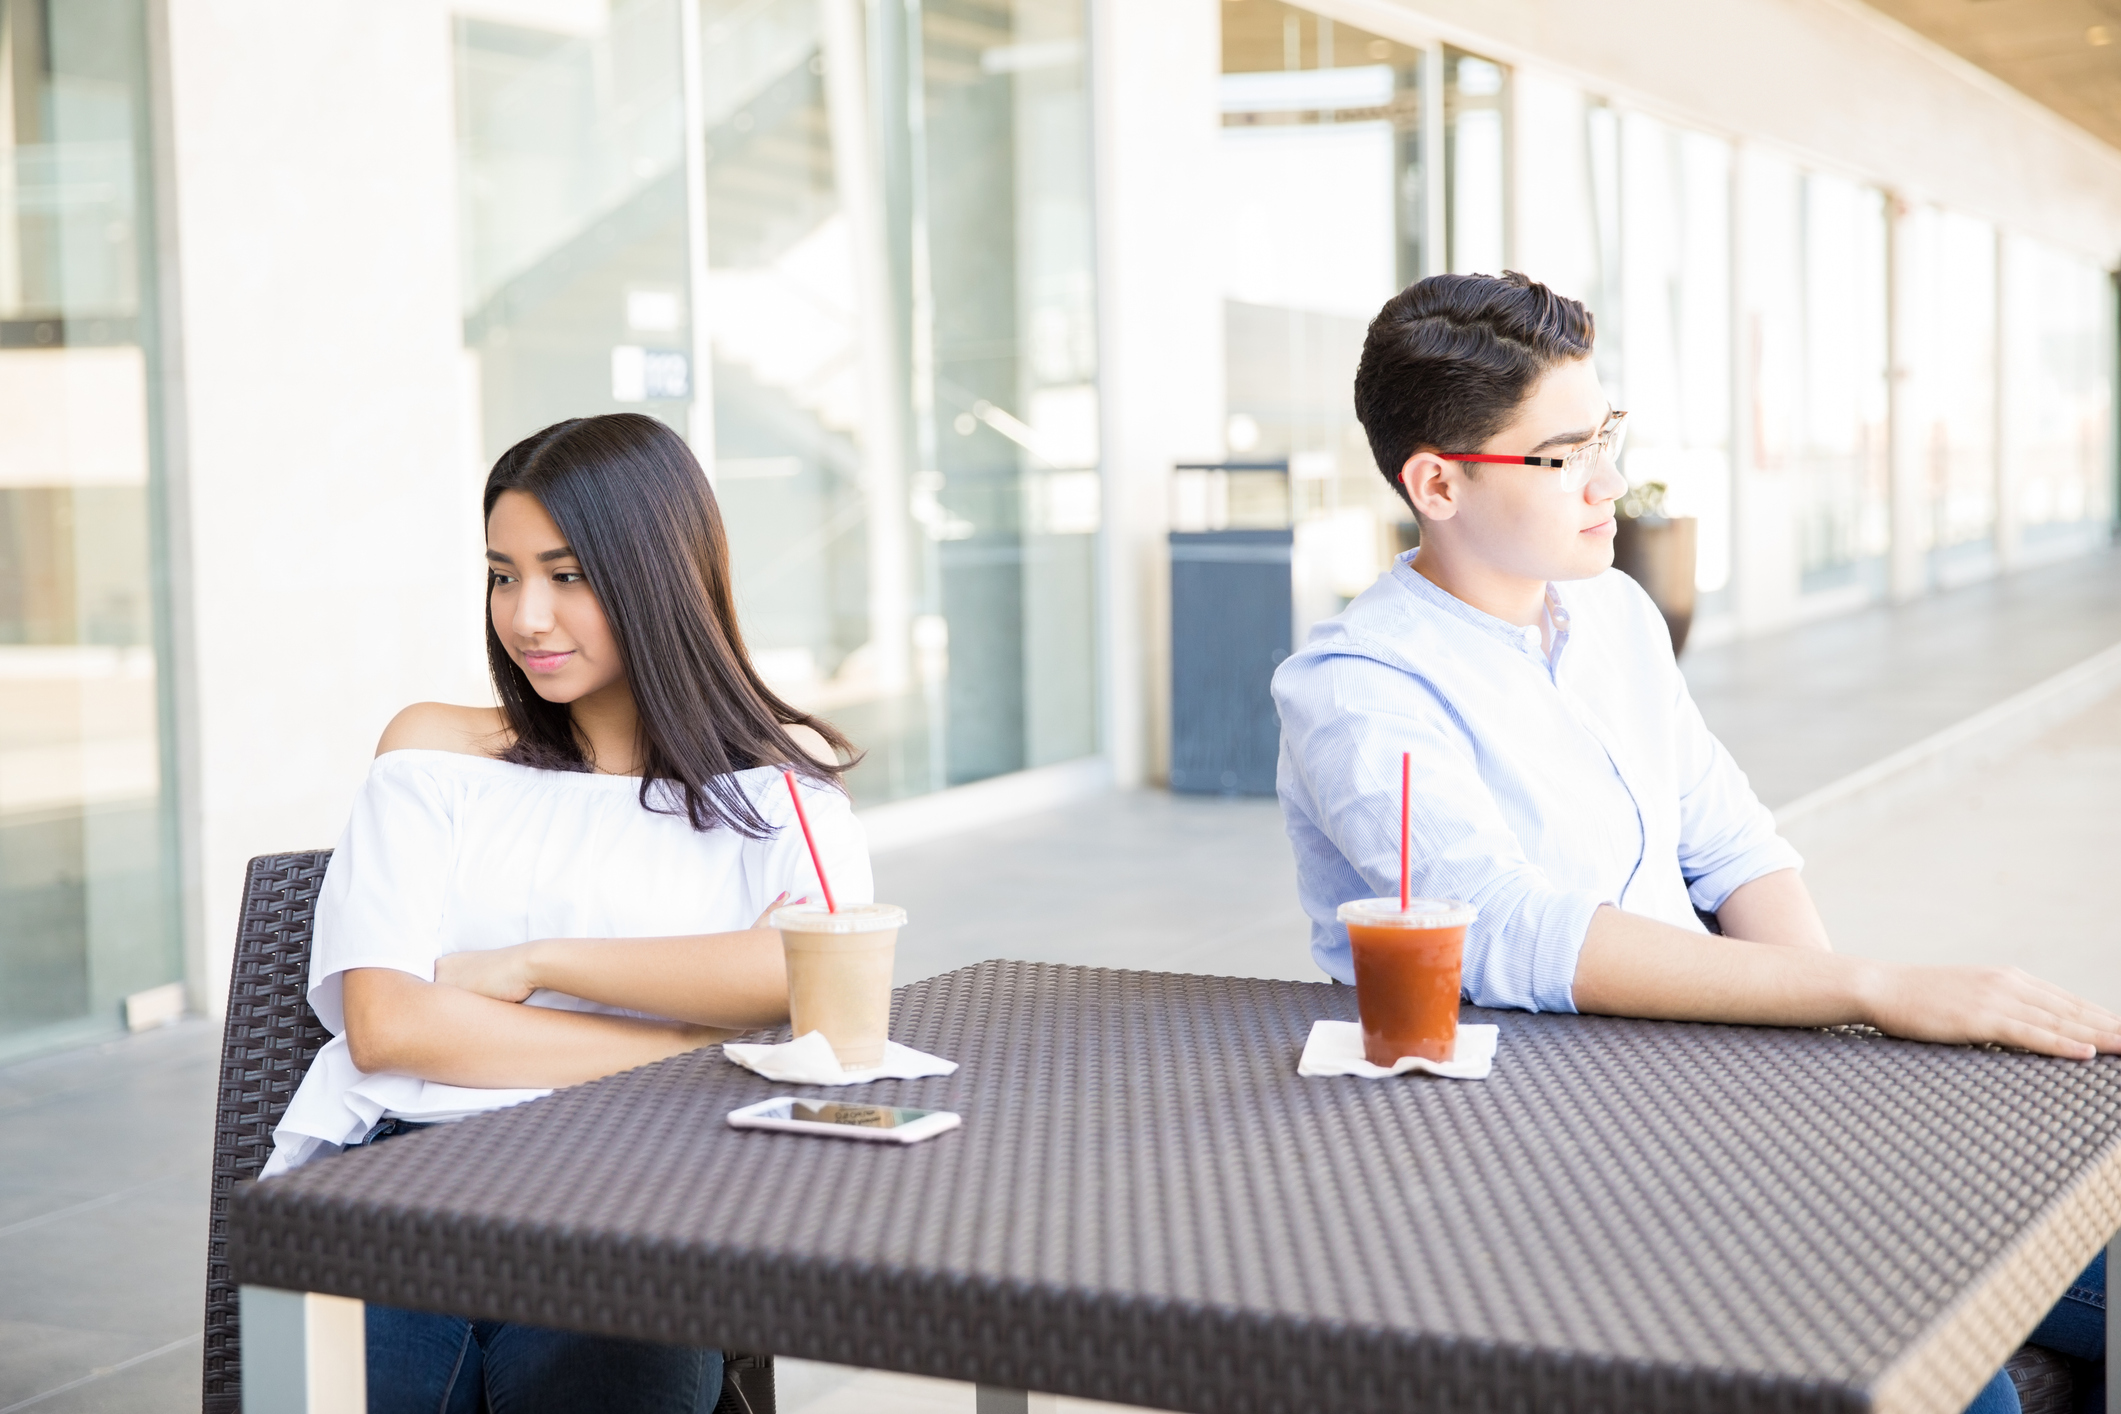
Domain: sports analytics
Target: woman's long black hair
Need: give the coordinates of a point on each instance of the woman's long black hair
(640, 517)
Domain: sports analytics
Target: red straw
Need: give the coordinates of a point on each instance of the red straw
(815, 862)
(1406, 794)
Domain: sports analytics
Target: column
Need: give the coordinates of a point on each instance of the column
(1156, 69)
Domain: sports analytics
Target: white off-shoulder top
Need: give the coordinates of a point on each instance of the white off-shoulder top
(450, 853)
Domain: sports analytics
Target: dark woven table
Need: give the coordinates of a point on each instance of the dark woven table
(1147, 1205)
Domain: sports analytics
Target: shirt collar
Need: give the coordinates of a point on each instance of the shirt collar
(1515, 634)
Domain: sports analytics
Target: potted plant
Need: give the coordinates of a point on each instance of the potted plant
(1656, 550)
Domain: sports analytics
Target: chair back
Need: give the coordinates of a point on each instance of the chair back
(266, 1048)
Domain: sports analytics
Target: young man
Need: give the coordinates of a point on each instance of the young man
(1563, 781)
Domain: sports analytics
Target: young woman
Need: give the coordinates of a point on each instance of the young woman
(570, 884)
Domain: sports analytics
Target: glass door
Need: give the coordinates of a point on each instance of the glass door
(899, 295)
(1322, 214)
(87, 917)
(848, 253)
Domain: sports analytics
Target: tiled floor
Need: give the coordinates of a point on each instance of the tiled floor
(1131, 879)
(1804, 708)
(104, 1152)
(104, 1156)
(2007, 865)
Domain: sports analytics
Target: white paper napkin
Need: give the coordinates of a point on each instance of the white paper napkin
(808, 1060)
(1335, 1048)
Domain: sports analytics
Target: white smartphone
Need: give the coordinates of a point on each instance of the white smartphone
(886, 1123)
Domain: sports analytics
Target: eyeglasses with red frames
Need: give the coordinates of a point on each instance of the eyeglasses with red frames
(1577, 466)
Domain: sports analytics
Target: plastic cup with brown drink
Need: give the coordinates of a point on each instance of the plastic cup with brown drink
(1407, 962)
(839, 974)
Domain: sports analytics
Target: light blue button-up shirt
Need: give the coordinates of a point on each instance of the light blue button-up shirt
(1552, 773)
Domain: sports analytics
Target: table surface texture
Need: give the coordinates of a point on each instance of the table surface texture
(1147, 1205)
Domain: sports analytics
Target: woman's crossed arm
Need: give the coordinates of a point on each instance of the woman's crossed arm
(465, 1027)
(399, 1024)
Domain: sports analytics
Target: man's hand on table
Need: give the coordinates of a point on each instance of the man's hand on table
(1998, 1005)
(1636, 966)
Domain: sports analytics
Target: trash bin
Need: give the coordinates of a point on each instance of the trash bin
(1230, 628)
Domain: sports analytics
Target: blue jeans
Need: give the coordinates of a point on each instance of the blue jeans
(420, 1363)
(2076, 1327)
(425, 1364)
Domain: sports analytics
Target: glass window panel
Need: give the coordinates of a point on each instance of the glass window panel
(1815, 324)
(2058, 350)
(1773, 293)
(894, 387)
(1320, 194)
(1601, 132)
(571, 149)
(1559, 244)
(1003, 198)
(1673, 303)
(804, 440)
(85, 843)
(1950, 321)
(901, 305)
(1476, 107)
(1572, 242)
(1841, 453)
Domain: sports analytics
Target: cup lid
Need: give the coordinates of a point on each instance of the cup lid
(852, 918)
(1419, 913)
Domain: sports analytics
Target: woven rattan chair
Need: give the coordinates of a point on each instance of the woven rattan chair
(270, 1039)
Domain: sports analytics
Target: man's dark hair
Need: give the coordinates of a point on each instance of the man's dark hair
(1448, 360)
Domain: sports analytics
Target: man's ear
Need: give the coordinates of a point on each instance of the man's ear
(1431, 485)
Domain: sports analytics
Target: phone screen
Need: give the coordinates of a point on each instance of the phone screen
(838, 1112)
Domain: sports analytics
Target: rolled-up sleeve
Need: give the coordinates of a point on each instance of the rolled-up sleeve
(381, 903)
(1726, 836)
(1346, 719)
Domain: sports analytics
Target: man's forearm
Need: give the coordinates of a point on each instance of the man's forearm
(398, 1024)
(1775, 908)
(1636, 966)
(733, 980)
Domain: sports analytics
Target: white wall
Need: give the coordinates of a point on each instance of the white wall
(1156, 67)
(327, 488)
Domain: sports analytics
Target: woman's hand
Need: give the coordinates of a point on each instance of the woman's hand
(1986, 1005)
(510, 974)
(501, 973)
(734, 979)
(780, 900)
